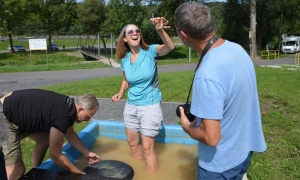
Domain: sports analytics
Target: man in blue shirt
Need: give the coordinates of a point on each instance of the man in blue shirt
(224, 98)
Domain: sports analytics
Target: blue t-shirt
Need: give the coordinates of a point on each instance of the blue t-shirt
(142, 77)
(225, 89)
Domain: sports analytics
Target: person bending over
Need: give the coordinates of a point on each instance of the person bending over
(47, 118)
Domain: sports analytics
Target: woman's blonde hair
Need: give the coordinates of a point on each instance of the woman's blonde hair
(123, 47)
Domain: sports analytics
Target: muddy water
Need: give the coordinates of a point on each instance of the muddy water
(176, 161)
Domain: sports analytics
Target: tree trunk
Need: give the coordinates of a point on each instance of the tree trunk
(280, 30)
(11, 43)
(49, 43)
(253, 46)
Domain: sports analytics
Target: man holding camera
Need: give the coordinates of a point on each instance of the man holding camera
(225, 102)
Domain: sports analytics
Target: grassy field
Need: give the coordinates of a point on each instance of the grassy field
(40, 61)
(279, 95)
(72, 59)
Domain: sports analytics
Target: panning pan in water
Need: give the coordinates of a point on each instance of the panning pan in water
(110, 169)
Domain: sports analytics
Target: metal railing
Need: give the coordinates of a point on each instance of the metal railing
(297, 58)
(267, 54)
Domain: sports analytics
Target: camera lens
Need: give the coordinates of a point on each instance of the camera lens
(186, 108)
(178, 111)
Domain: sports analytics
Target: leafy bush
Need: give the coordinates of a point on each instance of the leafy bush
(178, 52)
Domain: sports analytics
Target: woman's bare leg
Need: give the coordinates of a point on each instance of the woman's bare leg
(149, 153)
(133, 139)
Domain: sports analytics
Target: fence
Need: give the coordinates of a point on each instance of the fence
(297, 58)
(267, 54)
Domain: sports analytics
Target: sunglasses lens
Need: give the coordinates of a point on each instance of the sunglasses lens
(138, 31)
(131, 32)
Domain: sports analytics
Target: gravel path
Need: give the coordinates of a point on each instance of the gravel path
(114, 111)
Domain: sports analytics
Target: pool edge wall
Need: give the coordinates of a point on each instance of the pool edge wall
(115, 129)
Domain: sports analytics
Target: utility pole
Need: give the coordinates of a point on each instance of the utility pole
(253, 47)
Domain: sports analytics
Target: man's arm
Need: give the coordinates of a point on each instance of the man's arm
(56, 141)
(209, 131)
(75, 141)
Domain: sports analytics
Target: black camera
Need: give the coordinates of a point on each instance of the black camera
(187, 112)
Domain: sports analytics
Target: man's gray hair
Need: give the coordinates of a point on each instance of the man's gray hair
(194, 18)
(88, 101)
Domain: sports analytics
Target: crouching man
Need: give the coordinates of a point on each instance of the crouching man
(47, 118)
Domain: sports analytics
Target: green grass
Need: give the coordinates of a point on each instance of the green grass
(72, 59)
(279, 95)
(40, 61)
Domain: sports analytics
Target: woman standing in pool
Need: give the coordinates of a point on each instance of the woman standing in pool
(142, 112)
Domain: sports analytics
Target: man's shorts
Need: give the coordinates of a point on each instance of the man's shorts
(12, 147)
(144, 119)
(233, 173)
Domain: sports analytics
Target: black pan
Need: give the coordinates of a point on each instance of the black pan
(110, 169)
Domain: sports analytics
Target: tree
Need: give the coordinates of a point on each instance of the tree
(122, 12)
(12, 14)
(288, 15)
(274, 18)
(91, 15)
(216, 9)
(253, 49)
(236, 22)
(167, 9)
(55, 15)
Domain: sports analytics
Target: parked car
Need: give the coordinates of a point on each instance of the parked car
(17, 48)
(54, 47)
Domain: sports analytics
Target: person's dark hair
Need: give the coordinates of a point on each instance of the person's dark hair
(194, 18)
(88, 101)
(123, 47)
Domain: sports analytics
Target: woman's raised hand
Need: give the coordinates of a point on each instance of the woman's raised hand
(160, 23)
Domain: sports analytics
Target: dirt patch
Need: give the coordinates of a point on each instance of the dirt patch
(266, 106)
(76, 54)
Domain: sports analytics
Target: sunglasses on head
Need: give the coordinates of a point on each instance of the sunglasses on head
(131, 32)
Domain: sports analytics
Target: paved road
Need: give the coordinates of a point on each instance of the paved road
(109, 110)
(22, 80)
(15, 81)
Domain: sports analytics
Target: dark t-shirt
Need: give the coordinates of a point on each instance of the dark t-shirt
(35, 110)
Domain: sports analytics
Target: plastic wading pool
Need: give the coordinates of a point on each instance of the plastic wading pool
(114, 129)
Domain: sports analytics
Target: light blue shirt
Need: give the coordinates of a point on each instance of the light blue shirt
(225, 89)
(143, 78)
